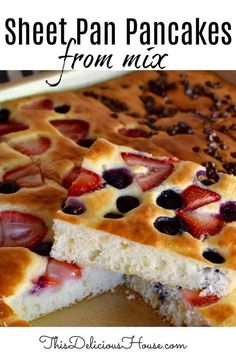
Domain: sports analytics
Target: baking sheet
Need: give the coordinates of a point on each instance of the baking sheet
(36, 84)
(109, 309)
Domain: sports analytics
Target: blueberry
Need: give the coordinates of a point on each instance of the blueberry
(228, 211)
(86, 142)
(8, 187)
(170, 226)
(118, 178)
(161, 291)
(4, 115)
(126, 203)
(209, 176)
(62, 109)
(170, 200)
(213, 256)
(113, 216)
(73, 207)
(43, 249)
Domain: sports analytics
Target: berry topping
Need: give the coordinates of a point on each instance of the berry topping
(4, 115)
(73, 129)
(194, 298)
(61, 271)
(86, 142)
(133, 133)
(27, 176)
(201, 225)
(169, 199)
(8, 187)
(157, 169)
(206, 179)
(118, 177)
(73, 206)
(213, 256)
(170, 226)
(11, 127)
(228, 211)
(33, 147)
(162, 291)
(126, 203)
(113, 216)
(41, 283)
(20, 229)
(43, 104)
(43, 249)
(195, 197)
(71, 177)
(62, 109)
(86, 182)
(56, 273)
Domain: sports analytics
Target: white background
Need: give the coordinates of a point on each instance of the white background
(198, 340)
(180, 57)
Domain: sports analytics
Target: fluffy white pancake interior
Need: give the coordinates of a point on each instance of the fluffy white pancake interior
(93, 281)
(99, 249)
(171, 308)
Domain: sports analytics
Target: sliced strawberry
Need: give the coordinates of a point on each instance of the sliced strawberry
(195, 197)
(86, 182)
(71, 177)
(149, 162)
(27, 176)
(43, 104)
(11, 128)
(33, 146)
(60, 271)
(193, 298)
(20, 229)
(201, 225)
(134, 133)
(73, 129)
(158, 169)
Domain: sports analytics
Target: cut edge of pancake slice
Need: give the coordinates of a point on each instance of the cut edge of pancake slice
(32, 286)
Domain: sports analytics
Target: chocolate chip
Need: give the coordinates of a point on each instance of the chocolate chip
(215, 85)
(232, 127)
(160, 86)
(180, 128)
(230, 167)
(224, 129)
(231, 108)
(196, 148)
(134, 114)
(213, 137)
(224, 147)
(233, 154)
(125, 86)
(113, 104)
(91, 94)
